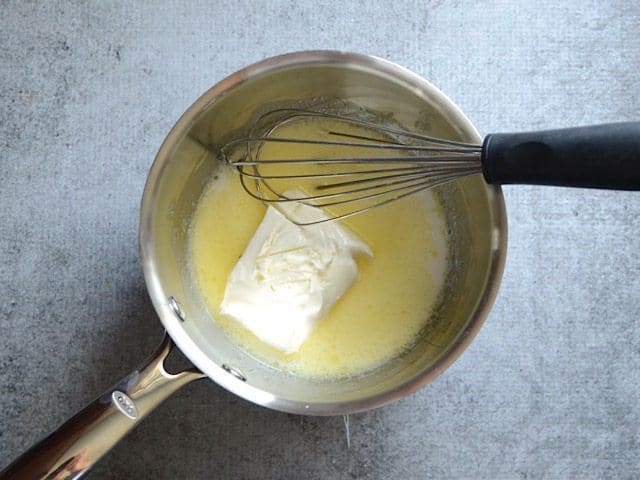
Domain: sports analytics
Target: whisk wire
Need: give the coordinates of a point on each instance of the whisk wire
(290, 113)
(445, 166)
(349, 184)
(382, 146)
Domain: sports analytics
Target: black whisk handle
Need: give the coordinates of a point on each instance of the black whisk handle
(599, 156)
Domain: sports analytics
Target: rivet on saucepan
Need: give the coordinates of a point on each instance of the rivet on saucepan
(235, 372)
(177, 309)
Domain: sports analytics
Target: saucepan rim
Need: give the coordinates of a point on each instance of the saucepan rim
(165, 306)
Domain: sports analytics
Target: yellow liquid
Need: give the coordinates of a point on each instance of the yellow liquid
(377, 319)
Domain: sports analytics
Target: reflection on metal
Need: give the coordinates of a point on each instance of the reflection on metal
(122, 401)
(177, 309)
(235, 372)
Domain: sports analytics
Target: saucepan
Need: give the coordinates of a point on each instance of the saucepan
(475, 216)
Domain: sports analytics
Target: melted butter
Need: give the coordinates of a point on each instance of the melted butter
(378, 318)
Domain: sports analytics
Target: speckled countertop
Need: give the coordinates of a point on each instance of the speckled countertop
(550, 388)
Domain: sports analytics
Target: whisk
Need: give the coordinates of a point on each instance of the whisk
(349, 165)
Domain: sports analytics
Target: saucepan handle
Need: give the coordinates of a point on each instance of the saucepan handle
(598, 156)
(70, 451)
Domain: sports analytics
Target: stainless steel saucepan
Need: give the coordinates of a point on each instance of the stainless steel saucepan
(476, 218)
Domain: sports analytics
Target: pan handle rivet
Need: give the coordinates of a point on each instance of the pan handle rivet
(235, 372)
(177, 309)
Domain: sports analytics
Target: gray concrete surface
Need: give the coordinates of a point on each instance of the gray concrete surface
(88, 90)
